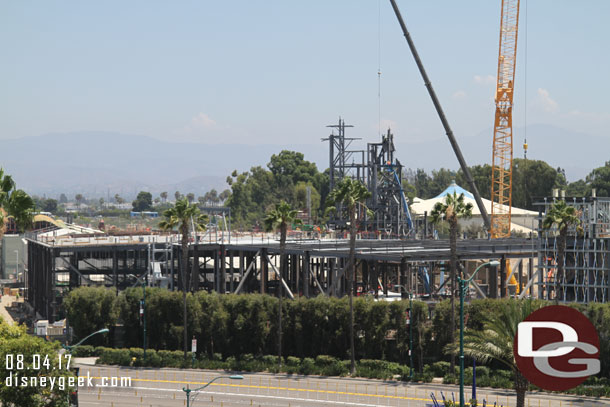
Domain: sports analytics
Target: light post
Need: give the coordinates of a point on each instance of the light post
(70, 347)
(463, 285)
(188, 391)
(143, 312)
(16, 263)
(73, 395)
(410, 329)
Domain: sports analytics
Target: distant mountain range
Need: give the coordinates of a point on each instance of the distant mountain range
(577, 153)
(98, 164)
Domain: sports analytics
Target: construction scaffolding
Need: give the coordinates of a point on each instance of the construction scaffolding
(586, 276)
(245, 266)
(381, 172)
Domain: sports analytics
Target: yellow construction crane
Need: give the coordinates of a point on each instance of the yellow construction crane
(502, 161)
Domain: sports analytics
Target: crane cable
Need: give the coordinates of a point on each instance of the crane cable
(379, 66)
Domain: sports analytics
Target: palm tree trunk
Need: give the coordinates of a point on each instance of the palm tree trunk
(283, 229)
(521, 386)
(350, 281)
(563, 234)
(453, 268)
(185, 281)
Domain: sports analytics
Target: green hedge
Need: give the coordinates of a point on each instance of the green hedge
(235, 325)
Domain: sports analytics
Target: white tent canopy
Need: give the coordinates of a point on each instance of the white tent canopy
(523, 217)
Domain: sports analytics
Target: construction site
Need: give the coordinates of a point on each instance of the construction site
(398, 252)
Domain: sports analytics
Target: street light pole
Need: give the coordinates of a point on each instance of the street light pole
(16, 263)
(463, 285)
(70, 347)
(188, 391)
(410, 328)
(144, 320)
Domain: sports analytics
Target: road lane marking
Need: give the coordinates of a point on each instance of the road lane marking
(251, 386)
(260, 396)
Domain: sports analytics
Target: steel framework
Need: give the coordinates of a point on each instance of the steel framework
(381, 172)
(586, 276)
(313, 267)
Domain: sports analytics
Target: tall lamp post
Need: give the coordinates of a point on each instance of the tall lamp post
(410, 328)
(16, 264)
(143, 314)
(70, 347)
(464, 283)
(188, 391)
(73, 395)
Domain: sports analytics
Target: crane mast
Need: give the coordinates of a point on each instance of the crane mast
(502, 160)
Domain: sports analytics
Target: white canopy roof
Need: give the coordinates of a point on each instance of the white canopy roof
(419, 206)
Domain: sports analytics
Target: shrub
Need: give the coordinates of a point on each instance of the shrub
(307, 367)
(379, 369)
(153, 359)
(450, 379)
(83, 351)
(171, 358)
(119, 357)
(330, 366)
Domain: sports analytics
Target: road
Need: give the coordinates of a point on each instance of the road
(163, 387)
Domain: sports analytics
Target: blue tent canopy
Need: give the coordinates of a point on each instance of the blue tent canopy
(454, 188)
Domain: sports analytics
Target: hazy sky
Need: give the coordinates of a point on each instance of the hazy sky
(278, 71)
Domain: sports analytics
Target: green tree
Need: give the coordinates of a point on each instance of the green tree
(14, 341)
(352, 194)
(177, 195)
(563, 216)
(533, 179)
(441, 179)
(300, 198)
(224, 195)
(279, 218)
(90, 309)
(495, 341)
(182, 215)
(50, 205)
(143, 202)
(451, 209)
(21, 208)
(7, 185)
(578, 188)
(63, 199)
(482, 178)
(422, 182)
(118, 199)
(79, 199)
(191, 197)
(599, 179)
(163, 196)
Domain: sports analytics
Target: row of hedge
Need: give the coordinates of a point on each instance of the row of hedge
(234, 325)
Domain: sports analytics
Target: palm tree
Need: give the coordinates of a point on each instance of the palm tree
(563, 216)
(450, 210)
(495, 341)
(21, 207)
(352, 194)
(182, 215)
(163, 196)
(6, 186)
(79, 198)
(280, 218)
